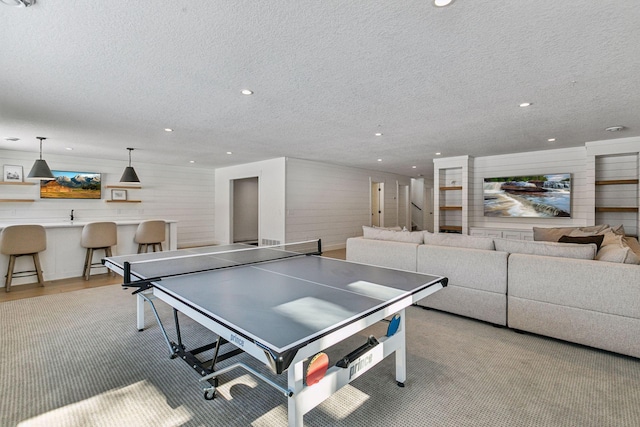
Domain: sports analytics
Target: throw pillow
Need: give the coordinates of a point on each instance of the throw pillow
(583, 240)
(620, 253)
(594, 229)
(551, 234)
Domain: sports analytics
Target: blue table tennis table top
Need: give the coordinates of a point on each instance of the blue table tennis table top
(280, 303)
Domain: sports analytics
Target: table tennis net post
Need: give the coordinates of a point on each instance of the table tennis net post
(181, 264)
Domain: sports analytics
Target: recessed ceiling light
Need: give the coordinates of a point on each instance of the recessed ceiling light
(413, 167)
(614, 128)
(437, 154)
(378, 134)
(442, 3)
(229, 152)
(168, 130)
(551, 140)
(192, 161)
(379, 160)
(69, 149)
(526, 104)
(247, 92)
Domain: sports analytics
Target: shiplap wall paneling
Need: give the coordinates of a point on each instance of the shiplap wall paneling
(183, 194)
(570, 160)
(332, 202)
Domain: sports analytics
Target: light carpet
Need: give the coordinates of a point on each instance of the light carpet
(76, 359)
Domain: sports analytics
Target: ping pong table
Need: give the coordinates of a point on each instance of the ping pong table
(283, 305)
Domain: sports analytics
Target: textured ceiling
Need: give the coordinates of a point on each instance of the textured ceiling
(101, 76)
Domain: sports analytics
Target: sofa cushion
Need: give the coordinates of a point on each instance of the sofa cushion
(554, 249)
(597, 239)
(617, 252)
(458, 240)
(392, 235)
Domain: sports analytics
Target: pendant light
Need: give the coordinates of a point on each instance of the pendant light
(129, 174)
(40, 169)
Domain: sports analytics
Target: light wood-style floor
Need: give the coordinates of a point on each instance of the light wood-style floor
(31, 290)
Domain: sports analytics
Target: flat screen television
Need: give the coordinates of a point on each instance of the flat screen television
(538, 196)
(71, 185)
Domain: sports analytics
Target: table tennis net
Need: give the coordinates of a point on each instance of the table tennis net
(180, 264)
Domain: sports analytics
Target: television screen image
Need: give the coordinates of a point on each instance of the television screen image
(71, 185)
(539, 196)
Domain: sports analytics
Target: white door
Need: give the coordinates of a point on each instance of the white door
(377, 203)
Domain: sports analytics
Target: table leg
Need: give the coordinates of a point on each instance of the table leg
(295, 382)
(401, 352)
(140, 312)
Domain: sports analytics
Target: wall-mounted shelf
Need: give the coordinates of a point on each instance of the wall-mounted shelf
(617, 182)
(614, 209)
(456, 228)
(126, 187)
(123, 201)
(16, 200)
(16, 183)
(451, 200)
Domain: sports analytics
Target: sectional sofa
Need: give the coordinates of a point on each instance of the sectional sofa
(586, 291)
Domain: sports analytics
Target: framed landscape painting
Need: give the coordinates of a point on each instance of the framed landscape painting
(72, 185)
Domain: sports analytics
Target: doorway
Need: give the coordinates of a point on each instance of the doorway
(377, 204)
(404, 214)
(244, 218)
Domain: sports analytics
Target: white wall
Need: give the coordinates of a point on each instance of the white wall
(184, 194)
(569, 160)
(271, 195)
(333, 202)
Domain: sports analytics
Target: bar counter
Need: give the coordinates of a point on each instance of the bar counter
(64, 256)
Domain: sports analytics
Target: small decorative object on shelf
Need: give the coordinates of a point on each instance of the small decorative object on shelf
(118, 194)
(12, 173)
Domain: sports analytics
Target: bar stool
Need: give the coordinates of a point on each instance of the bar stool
(97, 236)
(150, 233)
(21, 240)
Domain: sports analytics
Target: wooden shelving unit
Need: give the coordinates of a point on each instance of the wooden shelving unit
(617, 208)
(451, 200)
(125, 187)
(456, 228)
(616, 187)
(617, 182)
(12, 200)
(16, 183)
(614, 209)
